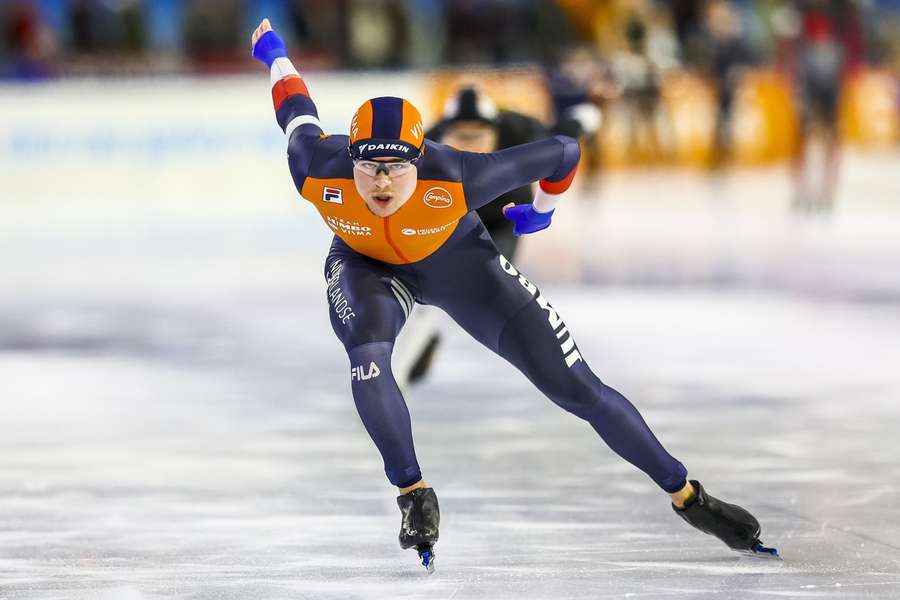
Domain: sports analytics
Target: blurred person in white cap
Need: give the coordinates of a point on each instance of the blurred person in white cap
(472, 122)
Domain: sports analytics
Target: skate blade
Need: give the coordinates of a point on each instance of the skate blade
(427, 561)
(760, 551)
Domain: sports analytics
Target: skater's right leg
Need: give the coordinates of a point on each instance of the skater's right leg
(368, 306)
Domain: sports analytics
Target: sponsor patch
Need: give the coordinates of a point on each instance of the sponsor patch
(438, 197)
(428, 230)
(374, 147)
(567, 342)
(333, 195)
(336, 296)
(342, 226)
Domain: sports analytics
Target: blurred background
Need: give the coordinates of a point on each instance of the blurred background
(771, 104)
(731, 243)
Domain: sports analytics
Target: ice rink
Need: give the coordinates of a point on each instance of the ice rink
(176, 418)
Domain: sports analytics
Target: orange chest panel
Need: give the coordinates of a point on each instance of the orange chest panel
(420, 227)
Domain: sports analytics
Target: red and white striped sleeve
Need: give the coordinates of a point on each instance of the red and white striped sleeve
(294, 109)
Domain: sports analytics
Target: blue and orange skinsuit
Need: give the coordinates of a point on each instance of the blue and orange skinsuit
(434, 250)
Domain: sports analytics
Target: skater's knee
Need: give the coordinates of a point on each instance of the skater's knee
(371, 351)
(583, 403)
(363, 329)
(592, 400)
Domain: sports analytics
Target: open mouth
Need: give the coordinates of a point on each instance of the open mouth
(382, 199)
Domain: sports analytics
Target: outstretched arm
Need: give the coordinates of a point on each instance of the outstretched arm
(294, 109)
(552, 162)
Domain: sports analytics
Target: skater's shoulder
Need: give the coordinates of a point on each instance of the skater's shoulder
(440, 163)
(326, 156)
(323, 145)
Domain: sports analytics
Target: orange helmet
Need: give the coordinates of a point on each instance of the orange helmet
(387, 126)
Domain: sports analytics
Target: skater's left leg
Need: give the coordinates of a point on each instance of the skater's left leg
(504, 311)
(538, 343)
(512, 318)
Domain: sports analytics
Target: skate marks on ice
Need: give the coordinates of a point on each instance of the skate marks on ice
(195, 438)
(799, 451)
(198, 474)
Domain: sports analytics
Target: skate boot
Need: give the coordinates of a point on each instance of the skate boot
(730, 523)
(421, 518)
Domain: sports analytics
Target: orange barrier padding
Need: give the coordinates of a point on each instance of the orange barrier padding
(681, 132)
(764, 124)
(870, 107)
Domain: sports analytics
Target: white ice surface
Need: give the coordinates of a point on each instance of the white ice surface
(175, 417)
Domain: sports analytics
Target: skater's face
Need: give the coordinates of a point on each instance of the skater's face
(385, 183)
(471, 136)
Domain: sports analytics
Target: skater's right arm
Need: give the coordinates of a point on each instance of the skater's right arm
(294, 109)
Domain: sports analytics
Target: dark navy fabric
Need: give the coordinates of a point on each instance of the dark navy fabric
(571, 156)
(487, 176)
(383, 411)
(294, 106)
(387, 117)
(330, 155)
(499, 307)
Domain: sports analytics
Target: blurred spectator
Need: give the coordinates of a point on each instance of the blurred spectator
(215, 35)
(320, 31)
(107, 25)
(491, 31)
(731, 54)
(27, 45)
(580, 86)
(378, 34)
(638, 77)
(825, 42)
(687, 19)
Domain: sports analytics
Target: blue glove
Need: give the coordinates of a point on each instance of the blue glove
(527, 219)
(269, 47)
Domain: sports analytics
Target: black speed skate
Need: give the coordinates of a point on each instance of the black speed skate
(421, 518)
(730, 523)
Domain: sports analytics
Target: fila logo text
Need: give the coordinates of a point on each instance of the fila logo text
(358, 373)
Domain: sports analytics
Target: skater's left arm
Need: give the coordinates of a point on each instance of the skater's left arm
(551, 162)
